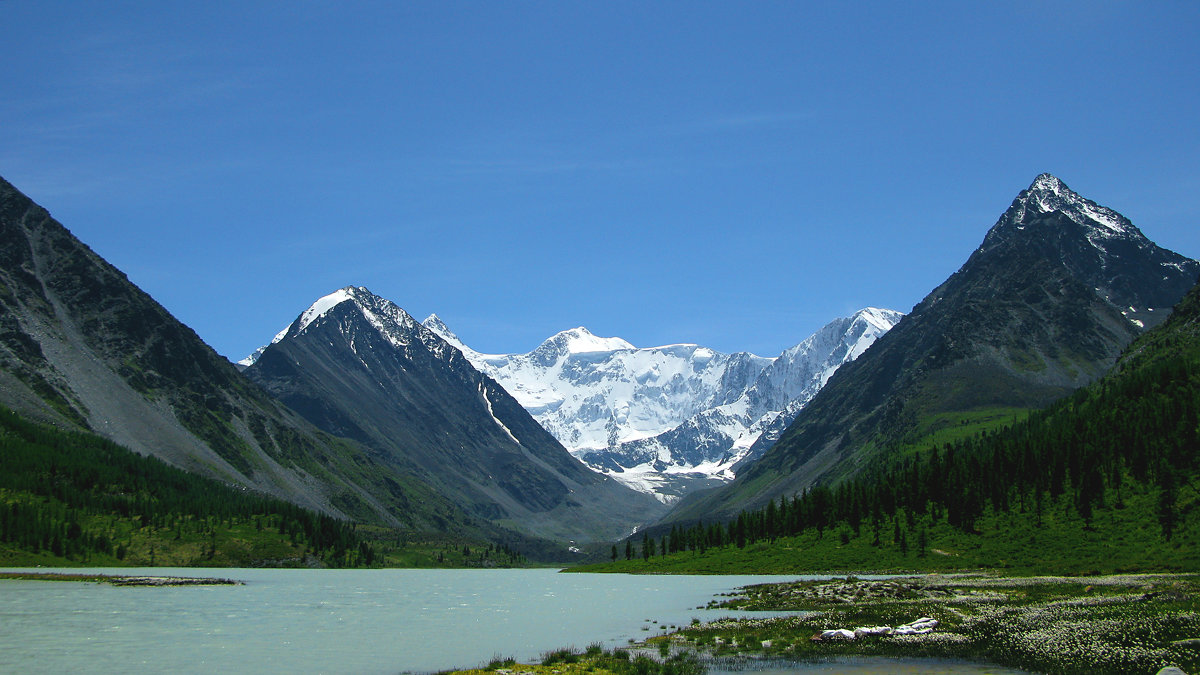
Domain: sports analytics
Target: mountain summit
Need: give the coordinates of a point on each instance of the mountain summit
(1058, 288)
(667, 420)
(1099, 246)
(359, 366)
(83, 347)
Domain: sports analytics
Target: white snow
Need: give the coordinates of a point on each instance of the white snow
(314, 312)
(251, 359)
(488, 402)
(1049, 194)
(592, 392)
(673, 410)
(669, 414)
(581, 341)
(319, 309)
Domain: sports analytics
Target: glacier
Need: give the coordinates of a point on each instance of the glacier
(670, 419)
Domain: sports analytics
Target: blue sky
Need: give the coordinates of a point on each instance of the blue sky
(731, 174)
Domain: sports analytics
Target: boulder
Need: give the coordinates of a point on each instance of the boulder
(835, 634)
(920, 626)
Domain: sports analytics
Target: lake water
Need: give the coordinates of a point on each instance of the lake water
(337, 621)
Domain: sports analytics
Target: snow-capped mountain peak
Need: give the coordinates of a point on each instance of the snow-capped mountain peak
(1048, 182)
(883, 319)
(662, 420)
(667, 419)
(1096, 244)
(1048, 194)
(390, 320)
(314, 312)
(320, 308)
(580, 340)
(434, 323)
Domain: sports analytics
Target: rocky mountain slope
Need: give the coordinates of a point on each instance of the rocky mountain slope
(1058, 288)
(82, 347)
(358, 366)
(667, 420)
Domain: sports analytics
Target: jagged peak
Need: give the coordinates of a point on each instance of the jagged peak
(435, 324)
(383, 314)
(870, 320)
(314, 312)
(372, 306)
(1049, 182)
(1049, 194)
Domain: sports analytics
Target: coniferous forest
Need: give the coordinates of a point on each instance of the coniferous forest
(75, 498)
(1122, 454)
(80, 497)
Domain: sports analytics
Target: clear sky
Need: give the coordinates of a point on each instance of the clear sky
(734, 174)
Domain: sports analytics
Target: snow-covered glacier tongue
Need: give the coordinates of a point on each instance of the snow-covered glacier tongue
(667, 420)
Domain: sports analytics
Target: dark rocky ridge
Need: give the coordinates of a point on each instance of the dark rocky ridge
(83, 347)
(1058, 289)
(365, 369)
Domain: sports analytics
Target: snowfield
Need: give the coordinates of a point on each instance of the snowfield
(665, 420)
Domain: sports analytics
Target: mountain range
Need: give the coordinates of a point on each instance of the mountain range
(1059, 286)
(358, 366)
(82, 347)
(668, 420)
(359, 411)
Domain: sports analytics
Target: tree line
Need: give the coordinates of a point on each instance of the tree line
(54, 483)
(1138, 428)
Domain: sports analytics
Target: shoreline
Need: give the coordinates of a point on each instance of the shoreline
(1131, 623)
(1095, 625)
(120, 580)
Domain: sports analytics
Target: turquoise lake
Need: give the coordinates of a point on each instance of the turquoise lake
(343, 621)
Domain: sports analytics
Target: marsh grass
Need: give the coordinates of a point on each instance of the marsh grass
(595, 660)
(1121, 624)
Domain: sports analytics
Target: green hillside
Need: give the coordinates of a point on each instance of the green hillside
(1104, 481)
(74, 498)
